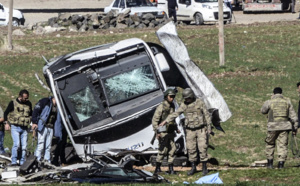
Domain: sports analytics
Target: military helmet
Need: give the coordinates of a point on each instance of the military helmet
(188, 93)
(170, 92)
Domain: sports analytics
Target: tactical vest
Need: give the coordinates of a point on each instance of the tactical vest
(279, 109)
(52, 117)
(21, 114)
(193, 115)
(171, 127)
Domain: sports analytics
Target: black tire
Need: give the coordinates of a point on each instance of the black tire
(15, 22)
(198, 19)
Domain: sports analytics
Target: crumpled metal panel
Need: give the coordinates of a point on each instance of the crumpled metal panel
(196, 79)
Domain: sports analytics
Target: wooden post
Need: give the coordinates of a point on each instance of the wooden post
(221, 34)
(9, 34)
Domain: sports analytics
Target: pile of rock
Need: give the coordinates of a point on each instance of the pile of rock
(82, 23)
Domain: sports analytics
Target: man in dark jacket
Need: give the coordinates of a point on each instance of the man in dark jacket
(45, 118)
(1, 132)
(18, 114)
(172, 8)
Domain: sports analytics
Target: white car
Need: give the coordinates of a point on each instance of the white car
(137, 7)
(199, 11)
(17, 20)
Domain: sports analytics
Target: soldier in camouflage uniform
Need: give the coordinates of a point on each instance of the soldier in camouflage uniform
(281, 120)
(165, 137)
(198, 127)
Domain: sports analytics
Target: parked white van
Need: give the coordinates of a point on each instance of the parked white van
(199, 11)
(17, 19)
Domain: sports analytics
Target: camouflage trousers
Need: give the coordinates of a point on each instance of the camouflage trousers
(166, 147)
(196, 138)
(281, 138)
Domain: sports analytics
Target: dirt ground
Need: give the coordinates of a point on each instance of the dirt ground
(238, 16)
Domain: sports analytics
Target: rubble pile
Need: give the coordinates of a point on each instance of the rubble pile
(82, 23)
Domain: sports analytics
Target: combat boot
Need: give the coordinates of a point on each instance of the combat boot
(193, 170)
(204, 168)
(270, 164)
(157, 168)
(280, 164)
(171, 170)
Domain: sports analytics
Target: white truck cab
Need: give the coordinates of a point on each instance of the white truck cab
(199, 11)
(17, 20)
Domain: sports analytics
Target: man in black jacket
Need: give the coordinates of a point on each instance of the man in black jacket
(47, 121)
(172, 8)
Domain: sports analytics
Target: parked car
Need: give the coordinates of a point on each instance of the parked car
(137, 7)
(17, 20)
(199, 11)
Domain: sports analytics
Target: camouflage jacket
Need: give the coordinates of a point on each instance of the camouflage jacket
(196, 114)
(281, 114)
(161, 113)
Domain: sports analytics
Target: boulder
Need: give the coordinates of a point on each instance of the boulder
(104, 26)
(121, 18)
(18, 32)
(128, 21)
(121, 25)
(64, 17)
(113, 22)
(67, 23)
(73, 28)
(30, 26)
(127, 12)
(148, 17)
(83, 28)
(142, 25)
(112, 13)
(95, 20)
(49, 29)
(76, 18)
(135, 18)
(39, 30)
(79, 24)
(151, 25)
(146, 22)
(62, 28)
(52, 21)
(107, 19)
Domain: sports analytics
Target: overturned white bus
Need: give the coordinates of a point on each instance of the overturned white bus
(107, 94)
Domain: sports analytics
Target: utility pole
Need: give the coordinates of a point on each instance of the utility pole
(9, 35)
(221, 34)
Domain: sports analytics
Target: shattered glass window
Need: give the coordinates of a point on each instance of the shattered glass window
(130, 84)
(84, 104)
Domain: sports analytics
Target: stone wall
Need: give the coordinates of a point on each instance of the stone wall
(82, 23)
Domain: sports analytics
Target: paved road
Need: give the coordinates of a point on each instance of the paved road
(238, 18)
(33, 15)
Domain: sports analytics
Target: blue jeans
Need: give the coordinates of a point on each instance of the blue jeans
(18, 134)
(44, 141)
(2, 151)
